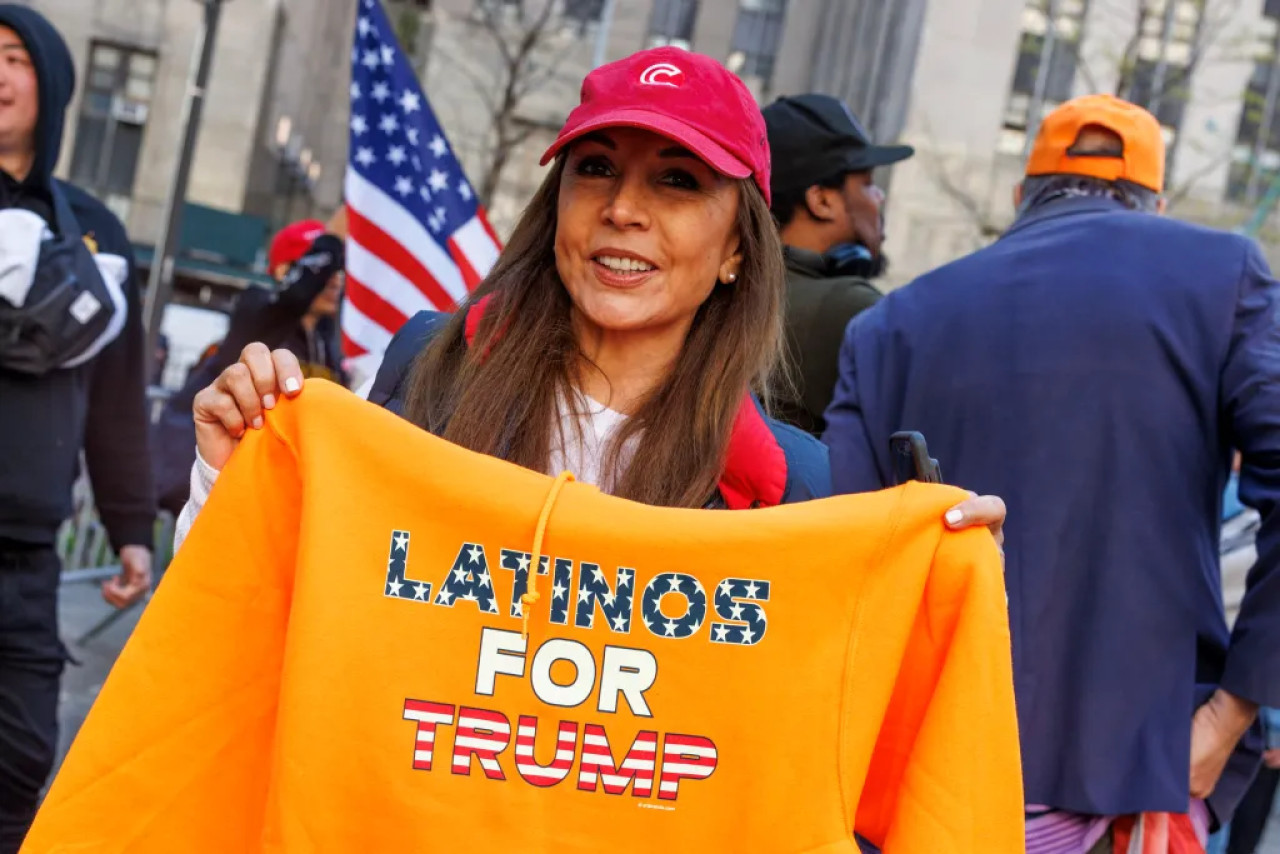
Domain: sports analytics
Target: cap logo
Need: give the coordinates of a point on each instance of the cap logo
(662, 74)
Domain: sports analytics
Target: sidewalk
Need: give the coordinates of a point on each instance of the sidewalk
(80, 608)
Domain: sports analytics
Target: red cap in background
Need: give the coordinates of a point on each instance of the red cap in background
(292, 242)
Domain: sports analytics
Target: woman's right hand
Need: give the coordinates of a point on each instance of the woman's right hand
(238, 398)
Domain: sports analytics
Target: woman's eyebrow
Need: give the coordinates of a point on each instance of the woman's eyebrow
(601, 138)
(677, 151)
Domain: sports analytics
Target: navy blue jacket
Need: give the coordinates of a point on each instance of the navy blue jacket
(1095, 367)
(775, 463)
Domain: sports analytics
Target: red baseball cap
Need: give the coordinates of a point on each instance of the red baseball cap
(293, 241)
(684, 96)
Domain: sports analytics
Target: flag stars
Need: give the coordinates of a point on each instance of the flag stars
(410, 102)
(396, 155)
(355, 91)
(559, 591)
(523, 563)
(404, 186)
(412, 135)
(438, 146)
(669, 629)
(584, 595)
(420, 591)
(364, 26)
(388, 55)
(389, 124)
(370, 60)
(438, 181)
(624, 578)
(417, 163)
(358, 125)
(401, 541)
(752, 590)
(747, 635)
(424, 193)
(619, 623)
(365, 157)
(393, 588)
(381, 92)
(475, 553)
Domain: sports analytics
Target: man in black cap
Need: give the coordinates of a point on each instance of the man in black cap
(828, 210)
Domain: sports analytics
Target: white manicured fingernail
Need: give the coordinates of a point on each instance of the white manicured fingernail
(257, 423)
(269, 401)
(292, 385)
(954, 516)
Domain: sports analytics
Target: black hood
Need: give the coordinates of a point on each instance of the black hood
(56, 75)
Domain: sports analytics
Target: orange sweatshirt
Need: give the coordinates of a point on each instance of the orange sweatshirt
(335, 663)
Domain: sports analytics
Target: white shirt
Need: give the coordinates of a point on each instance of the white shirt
(582, 452)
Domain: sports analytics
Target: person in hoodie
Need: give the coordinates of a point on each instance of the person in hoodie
(306, 259)
(98, 406)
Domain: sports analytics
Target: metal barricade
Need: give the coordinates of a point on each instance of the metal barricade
(85, 550)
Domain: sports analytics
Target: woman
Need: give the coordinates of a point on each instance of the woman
(637, 303)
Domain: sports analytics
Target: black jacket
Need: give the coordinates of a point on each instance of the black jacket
(99, 406)
(273, 318)
(819, 307)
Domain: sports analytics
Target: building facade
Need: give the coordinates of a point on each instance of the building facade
(278, 68)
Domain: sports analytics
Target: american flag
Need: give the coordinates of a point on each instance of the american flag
(417, 237)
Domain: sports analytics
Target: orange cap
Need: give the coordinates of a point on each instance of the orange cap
(1142, 162)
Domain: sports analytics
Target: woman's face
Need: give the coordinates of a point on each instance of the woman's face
(645, 230)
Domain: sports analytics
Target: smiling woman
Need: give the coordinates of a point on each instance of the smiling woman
(629, 324)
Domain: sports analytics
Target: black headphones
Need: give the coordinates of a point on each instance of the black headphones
(853, 259)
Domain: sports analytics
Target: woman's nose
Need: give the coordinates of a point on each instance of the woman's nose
(627, 207)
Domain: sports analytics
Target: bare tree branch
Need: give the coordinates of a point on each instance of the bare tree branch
(1184, 189)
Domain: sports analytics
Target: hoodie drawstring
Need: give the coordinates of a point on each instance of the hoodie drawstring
(532, 595)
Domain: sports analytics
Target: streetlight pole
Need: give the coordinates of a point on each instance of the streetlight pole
(160, 279)
(602, 34)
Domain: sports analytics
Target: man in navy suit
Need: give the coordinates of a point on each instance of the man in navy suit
(1095, 367)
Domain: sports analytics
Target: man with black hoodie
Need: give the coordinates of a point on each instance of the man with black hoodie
(98, 405)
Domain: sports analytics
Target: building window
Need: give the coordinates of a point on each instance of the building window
(1159, 75)
(113, 115)
(1255, 159)
(672, 23)
(756, 37)
(1045, 71)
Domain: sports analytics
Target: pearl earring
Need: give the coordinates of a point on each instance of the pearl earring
(732, 277)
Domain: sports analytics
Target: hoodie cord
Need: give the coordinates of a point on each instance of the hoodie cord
(532, 595)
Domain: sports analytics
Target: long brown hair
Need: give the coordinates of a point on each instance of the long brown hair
(501, 395)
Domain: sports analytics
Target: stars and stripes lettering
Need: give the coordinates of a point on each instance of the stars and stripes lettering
(614, 602)
(428, 716)
(738, 600)
(482, 734)
(685, 757)
(636, 769)
(526, 752)
(561, 591)
(518, 563)
(410, 206)
(399, 584)
(674, 586)
(469, 581)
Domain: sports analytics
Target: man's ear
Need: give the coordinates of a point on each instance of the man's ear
(1017, 196)
(1162, 205)
(820, 203)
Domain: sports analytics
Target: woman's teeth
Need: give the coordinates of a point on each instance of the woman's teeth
(624, 265)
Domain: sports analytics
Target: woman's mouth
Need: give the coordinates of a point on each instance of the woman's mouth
(622, 270)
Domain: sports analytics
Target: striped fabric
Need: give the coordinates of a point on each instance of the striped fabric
(1051, 831)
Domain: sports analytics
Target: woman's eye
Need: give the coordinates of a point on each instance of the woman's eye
(681, 179)
(593, 166)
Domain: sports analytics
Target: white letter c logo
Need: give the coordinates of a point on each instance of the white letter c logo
(662, 74)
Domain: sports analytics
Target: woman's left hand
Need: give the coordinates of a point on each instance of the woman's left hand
(988, 510)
